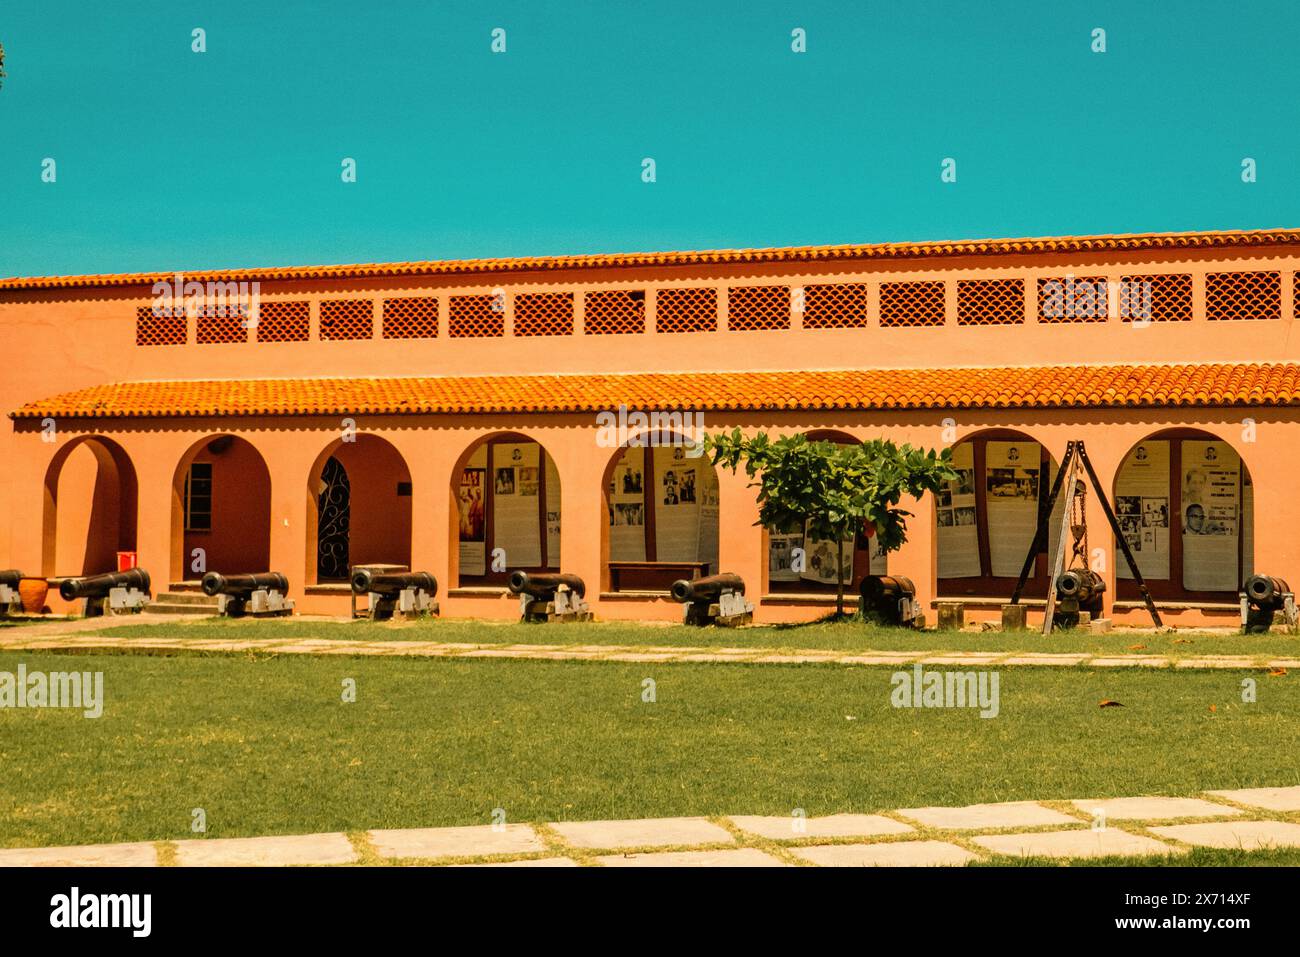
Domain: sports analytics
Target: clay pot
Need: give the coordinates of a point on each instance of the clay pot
(33, 592)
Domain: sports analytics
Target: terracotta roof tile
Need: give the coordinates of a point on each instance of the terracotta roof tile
(1220, 384)
(864, 251)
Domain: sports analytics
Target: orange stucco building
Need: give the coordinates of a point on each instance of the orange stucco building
(455, 416)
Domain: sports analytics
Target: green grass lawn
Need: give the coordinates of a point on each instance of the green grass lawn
(264, 744)
(846, 636)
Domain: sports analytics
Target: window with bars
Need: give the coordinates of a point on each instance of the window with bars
(1165, 298)
(162, 329)
(990, 302)
(838, 305)
(544, 314)
(346, 319)
(198, 497)
(1243, 295)
(476, 316)
(284, 321)
(912, 303)
(686, 310)
(614, 312)
(414, 317)
(758, 307)
(1073, 299)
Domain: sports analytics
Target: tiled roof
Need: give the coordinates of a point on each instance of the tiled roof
(1222, 384)
(866, 251)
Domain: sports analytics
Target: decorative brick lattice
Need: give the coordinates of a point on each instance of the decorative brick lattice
(614, 312)
(1243, 295)
(1073, 299)
(1156, 298)
(544, 314)
(284, 321)
(163, 329)
(840, 305)
(346, 319)
(686, 310)
(990, 302)
(473, 317)
(912, 303)
(215, 325)
(415, 317)
(758, 307)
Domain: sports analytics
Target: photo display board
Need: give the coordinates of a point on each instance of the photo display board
(1142, 509)
(516, 514)
(1211, 516)
(683, 493)
(471, 503)
(957, 537)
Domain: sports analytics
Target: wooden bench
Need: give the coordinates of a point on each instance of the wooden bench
(652, 576)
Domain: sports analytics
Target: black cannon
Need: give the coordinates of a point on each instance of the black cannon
(10, 577)
(891, 600)
(1077, 590)
(10, 600)
(550, 596)
(126, 591)
(408, 593)
(262, 594)
(1261, 597)
(713, 600)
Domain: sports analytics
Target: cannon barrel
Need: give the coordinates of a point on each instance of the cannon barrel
(97, 586)
(544, 584)
(11, 577)
(390, 583)
(1080, 583)
(706, 589)
(880, 589)
(241, 586)
(1266, 591)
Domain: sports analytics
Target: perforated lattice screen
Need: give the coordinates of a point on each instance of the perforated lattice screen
(544, 314)
(912, 303)
(614, 312)
(476, 316)
(163, 329)
(284, 321)
(839, 305)
(214, 324)
(1243, 295)
(414, 317)
(758, 307)
(1073, 299)
(346, 319)
(686, 310)
(1165, 298)
(990, 302)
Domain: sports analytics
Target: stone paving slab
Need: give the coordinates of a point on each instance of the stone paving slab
(1248, 835)
(94, 855)
(1061, 660)
(738, 857)
(474, 841)
(1130, 661)
(893, 854)
(650, 832)
(1154, 808)
(1078, 843)
(963, 659)
(1272, 799)
(876, 659)
(1216, 661)
(788, 827)
(531, 862)
(305, 849)
(981, 816)
(639, 656)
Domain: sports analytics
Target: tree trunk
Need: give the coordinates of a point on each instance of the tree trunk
(839, 579)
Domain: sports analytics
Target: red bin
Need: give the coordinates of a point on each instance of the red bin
(126, 561)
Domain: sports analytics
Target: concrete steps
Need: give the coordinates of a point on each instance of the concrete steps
(182, 603)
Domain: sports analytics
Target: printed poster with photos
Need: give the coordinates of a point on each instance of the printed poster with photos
(677, 493)
(957, 537)
(781, 564)
(516, 517)
(1012, 471)
(552, 514)
(1211, 516)
(471, 504)
(1142, 510)
(627, 508)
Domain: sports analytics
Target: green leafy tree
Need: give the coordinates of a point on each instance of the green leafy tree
(2, 64)
(836, 490)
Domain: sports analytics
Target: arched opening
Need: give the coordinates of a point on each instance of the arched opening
(507, 517)
(359, 508)
(797, 562)
(661, 505)
(89, 511)
(1185, 506)
(986, 519)
(221, 509)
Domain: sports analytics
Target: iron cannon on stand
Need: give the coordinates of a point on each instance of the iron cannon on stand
(713, 600)
(261, 595)
(114, 593)
(409, 594)
(550, 596)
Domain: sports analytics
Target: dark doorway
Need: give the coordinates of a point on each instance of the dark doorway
(333, 513)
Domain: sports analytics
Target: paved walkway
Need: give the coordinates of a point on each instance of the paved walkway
(1249, 818)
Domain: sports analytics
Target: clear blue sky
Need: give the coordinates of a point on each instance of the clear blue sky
(169, 159)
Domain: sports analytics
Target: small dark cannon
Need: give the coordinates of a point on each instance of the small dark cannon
(1262, 596)
(113, 592)
(261, 595)
(550, 596)
(10, 600)
(891, 599)
(713, 600)
(410, 594)
(1078, 590)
